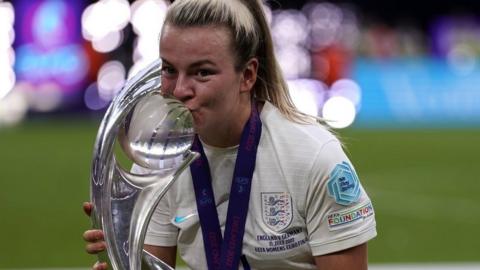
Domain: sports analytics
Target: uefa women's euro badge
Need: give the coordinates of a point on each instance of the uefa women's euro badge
(155, 133)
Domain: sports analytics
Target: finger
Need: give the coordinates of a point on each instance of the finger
(94, 248)
(87, 208)
(100, 266)
(93, 235)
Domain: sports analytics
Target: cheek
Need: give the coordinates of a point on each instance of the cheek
(199, 120)
(208, 107)
(206, 95)
(168, 85)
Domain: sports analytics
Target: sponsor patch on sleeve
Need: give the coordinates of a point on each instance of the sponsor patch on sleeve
(346, 218)
(343, 184)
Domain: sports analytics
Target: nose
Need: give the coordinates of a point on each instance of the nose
(183, 90)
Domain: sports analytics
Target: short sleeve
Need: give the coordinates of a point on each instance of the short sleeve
(160, 231)
(339, 213)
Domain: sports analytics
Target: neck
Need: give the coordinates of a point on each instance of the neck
(230, 132)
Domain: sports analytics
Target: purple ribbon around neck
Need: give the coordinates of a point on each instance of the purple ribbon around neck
(225, 254)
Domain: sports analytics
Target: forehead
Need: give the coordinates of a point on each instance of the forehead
(193, 43)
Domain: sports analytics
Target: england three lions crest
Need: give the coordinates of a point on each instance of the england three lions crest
(276, 210)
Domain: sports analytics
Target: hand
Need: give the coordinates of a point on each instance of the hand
(95, 239)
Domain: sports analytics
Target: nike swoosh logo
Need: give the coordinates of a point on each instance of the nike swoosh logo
(180, 219)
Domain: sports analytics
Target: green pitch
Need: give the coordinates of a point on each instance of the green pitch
(424, 185)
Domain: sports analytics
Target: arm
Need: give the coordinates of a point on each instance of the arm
(166, 254)
(336, 242)
(354, 258)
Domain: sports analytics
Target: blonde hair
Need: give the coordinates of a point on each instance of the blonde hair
(251, 37)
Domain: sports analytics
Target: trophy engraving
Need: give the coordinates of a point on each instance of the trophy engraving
(155, 132)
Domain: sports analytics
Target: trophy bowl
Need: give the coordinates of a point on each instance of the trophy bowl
(155, 132)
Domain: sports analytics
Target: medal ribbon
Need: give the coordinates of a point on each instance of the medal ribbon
(225, 254)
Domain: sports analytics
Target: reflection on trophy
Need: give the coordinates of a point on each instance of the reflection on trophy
(156, 133)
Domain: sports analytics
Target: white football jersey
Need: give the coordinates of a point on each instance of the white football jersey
(306, 200)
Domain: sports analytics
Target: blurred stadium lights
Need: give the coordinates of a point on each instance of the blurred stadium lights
(13, 108)
(44, 97)
(349, 89)
(13, 105)
(7, 56)
(145, 17)
(325, 49)
(92, 98)
(293, 31)
(461, 59)
(342, 103)
(290, 34)
(338, 112)
(98, 22)
(109, 42)
(147, 22)
(290, 28)
(294, 61)
(320, 28)
(7, 76)
(51, 63)
(307, 95)
(111, 78)
(325, 22)
(459, 41)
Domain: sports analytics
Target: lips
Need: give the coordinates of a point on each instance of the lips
(189, 106)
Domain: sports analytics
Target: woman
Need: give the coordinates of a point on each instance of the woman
(273, 189)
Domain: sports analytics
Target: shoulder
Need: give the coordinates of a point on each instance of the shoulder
(279, 129)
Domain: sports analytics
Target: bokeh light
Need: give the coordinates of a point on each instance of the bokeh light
(7, 15)
(7, 55)
(338, 112)
(290, 34)
(462, 59)
(92, 98)
(97, 19)
(290, 27)
(294, 61)
(49, 20)
(7, 80)
(111, 78)
(13, 108)
(109, 42)
(147, 21)
(148, 16)
(51, 63)
(307, 95)
(325, 22)
(347, 88)
(7, 35)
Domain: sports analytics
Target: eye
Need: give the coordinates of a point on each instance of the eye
(204, 72)
(168, 71)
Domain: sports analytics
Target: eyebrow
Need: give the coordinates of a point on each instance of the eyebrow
(194, 64)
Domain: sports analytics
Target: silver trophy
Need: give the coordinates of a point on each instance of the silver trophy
(155, 132)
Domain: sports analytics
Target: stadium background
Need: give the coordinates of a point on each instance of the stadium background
(400, 79)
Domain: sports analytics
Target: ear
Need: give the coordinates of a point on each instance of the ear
(249, 75)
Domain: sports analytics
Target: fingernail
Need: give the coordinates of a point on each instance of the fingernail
(99, 235)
